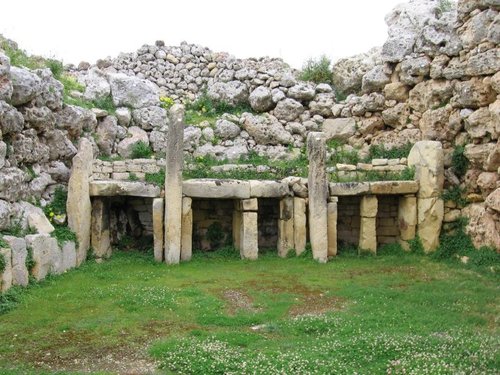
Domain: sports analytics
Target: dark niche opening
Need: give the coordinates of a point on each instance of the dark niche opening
(267, 221)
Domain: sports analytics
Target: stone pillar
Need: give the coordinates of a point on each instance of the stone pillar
(407, 219)
(6, 274)
(332, 226)
(286, 235)
(100, 238)
(299, 224)
(173, 185)
(20, 275)
(187, 229)
(158, 212)
(249, 231)
(78, 206)
(236, 225)
(368, 228)
(318, 195)
(428, 159)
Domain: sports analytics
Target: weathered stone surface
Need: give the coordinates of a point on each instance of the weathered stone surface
(134, 135)
(75, 120)
(428, 159)
(96, 85)
(288, 109)
(133, 92)
(187, 230)
(46, 254)
(302, 91)
(173, 185)
(247, 204)
(25, 84)
(407, 217)
(208, 188)
(107, 131)
(475, 93)
(376, 78)
(369, 206)
(268, 189)
(493, 200)
(393, 187)
(396, 91)
(332, 228)
(6, 275)
(261, 99)
(348, 188)
(12, 184)
(148, 118)
(158, 230)
(20, 275)
(322, 104)
(487, 182)
(483, 226)
(299, 224)
(123, 188)
(78, 206)
(286, 227)
(430, 219)
(11, 121)
(233, 92)
(249, 236)
(225, 129)
(318, 195)
(430, 94)
(339, 128)
(100, 228)
(39, 223)
(478, 154)
(5, 82)
(266, 130)
(368, 234)
(397, 115)
(413, 70)
(68, 253)
(348, 73)
(124, 116)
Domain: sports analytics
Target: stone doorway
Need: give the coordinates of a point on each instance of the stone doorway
(212, 223)
(268, 220)
(348, 221)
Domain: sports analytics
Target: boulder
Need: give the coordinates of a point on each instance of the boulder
(302, 91)
(96, 85)
(261, 99)
(475, 93)
(39, 223)
(107, 130)
(134, 135)
(75, 120)
(487, 182)
(5, 82)
(475, 29)
(51, 92)
(397, 115)
(430, 94)
(414, 70)
(6, 274)
(339, 128)
(439, 124)
(493, 200)
(133, 92)
(5, 215)
(396, 91)
(39, 118)
(11, 121)
(233, 92)
(20, 275)
(376, 78)
(266, 130)
(322, 104)
(483, 226)
(25, 86)
(225, 129)
(480, 123)
(428, 159)
(478, 154)
(46, 254)
(60, 147)
(27, 148)
(150, 118)
(124, 116)
(288, 110)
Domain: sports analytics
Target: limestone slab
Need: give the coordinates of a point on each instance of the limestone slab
(368, 234)
(216, 189)
(428, 159)
(348, 188)
(299, 224)
(45, 252)
(68, 251)
(6, 274)
(332, 228)
(268, 189)
(249, 236)
(393, 187)
(20, 275)
(100, 233)
(248, 204)
(123, 188)
(158, 211)
(187, 229)
(430, 219)
(369, 206)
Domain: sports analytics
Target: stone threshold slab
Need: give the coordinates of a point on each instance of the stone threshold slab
(112, 188)
(376, 188)
(235, 189)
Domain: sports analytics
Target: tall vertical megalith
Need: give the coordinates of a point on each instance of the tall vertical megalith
(78, 206)
(173, 185)
(318, 195)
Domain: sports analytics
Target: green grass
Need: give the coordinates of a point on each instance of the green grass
(317, 70)
(381, 152)
(371, 315)
(141, 150)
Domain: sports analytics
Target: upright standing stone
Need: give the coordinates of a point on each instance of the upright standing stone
(407, 219)
(237, 225)
(45, 252)
(6, 274)
(249, 233)
(78, 205)
(332, 227)
(299, 224)
(318, 195)
(187, 229)
(173, 185)
(368, 226)
(68, 251)
(20, 275)
(158, 212)
(286, 237)
(100, 238)
(428, 159)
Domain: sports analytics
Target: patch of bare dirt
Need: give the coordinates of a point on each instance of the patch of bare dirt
(238, 300)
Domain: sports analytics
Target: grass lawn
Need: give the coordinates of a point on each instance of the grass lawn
(218, 314)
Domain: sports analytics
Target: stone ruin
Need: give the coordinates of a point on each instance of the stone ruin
(435, 81)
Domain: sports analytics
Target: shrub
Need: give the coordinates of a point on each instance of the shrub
(416, 246)
(3, 263)
(484, 257)
(56, 67)
(455, 194)
(381, 152)
(105, 103)
(29, 262)
(157, 179)
(454, 242)
(64, 234)
(459, 162)
(317, 70)
(141, 150)
(58, 204)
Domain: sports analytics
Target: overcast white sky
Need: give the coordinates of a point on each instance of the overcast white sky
(294, 30)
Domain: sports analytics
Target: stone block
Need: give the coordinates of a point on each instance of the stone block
(379, 162)
(68, 256)
(332, 228)
(428, 159)
(393, 187)
(348, 188)
(223, 189)
(249, 236)
(20, 275)
(187, 230)
(158, 230)
(45, 252)
(123, 188)
(100, 234)
(368, 234)
(300, 224)
(120, 176)
(369, 206)
(248, 204)
(268, 189)
(6, 275)
(38, 222)
(430, 219)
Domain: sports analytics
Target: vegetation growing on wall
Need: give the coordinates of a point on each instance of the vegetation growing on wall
(141, 150)
(459, 162)
(317, 70)
(383, 152)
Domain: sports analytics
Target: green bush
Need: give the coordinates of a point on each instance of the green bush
(58, 204)
(56, 67)
(455, 194)
(3, 263)
(105, 103)
(455, 242)
(64, 234)
(459, 162)
(157, 179)
(317, 70)
(381, 152)
(484, 257)
(141, 150)
(20, 58)
(29, 262)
